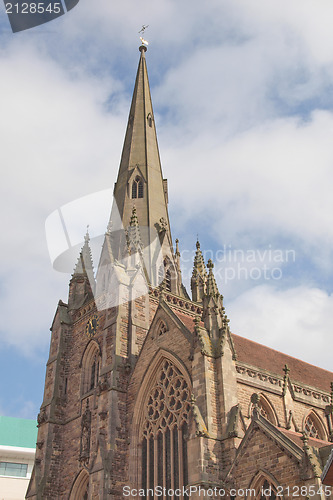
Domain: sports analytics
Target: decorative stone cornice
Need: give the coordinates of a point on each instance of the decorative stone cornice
(300, 392)
(185, 305)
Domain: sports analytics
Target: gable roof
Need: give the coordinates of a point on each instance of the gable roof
(186, 319)
(263, 357)
(273, 433)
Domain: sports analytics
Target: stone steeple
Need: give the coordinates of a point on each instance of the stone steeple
(140, 184)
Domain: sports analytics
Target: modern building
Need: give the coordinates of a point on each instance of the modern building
(147, 390)
(18, 438)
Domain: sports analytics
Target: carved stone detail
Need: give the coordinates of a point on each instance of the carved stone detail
(41, 417)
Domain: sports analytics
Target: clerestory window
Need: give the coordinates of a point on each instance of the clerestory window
(312, 427)
(265, 409)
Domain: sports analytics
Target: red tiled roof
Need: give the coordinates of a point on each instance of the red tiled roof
(296, 438)
(186, 319)
(273, 361)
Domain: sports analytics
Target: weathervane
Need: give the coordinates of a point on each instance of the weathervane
(144, 27)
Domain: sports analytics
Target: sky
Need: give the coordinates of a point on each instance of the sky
(243, 104)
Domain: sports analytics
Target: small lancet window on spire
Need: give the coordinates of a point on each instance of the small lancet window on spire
(137, 188)
(140, 189)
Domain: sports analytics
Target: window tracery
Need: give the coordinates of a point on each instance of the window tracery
(263, 410)
(165, 427)
(264, 407)
(312, 427)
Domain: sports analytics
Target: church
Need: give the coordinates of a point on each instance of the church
(148, 394)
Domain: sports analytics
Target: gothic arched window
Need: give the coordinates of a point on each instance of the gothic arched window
(313, 427)
(90, 367)
(137, 188)
(164, 432)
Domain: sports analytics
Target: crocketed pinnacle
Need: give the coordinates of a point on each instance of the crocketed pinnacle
(211, 287)
(84, 263)
(199, 267)
(134, 241)
(177, 253)
(199, 276)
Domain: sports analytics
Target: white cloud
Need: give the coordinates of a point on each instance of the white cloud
(295, 321)
(269, 182)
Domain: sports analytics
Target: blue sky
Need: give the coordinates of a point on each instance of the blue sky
(242, 95)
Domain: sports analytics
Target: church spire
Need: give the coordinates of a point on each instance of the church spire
(140, 181)
(140, 184)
